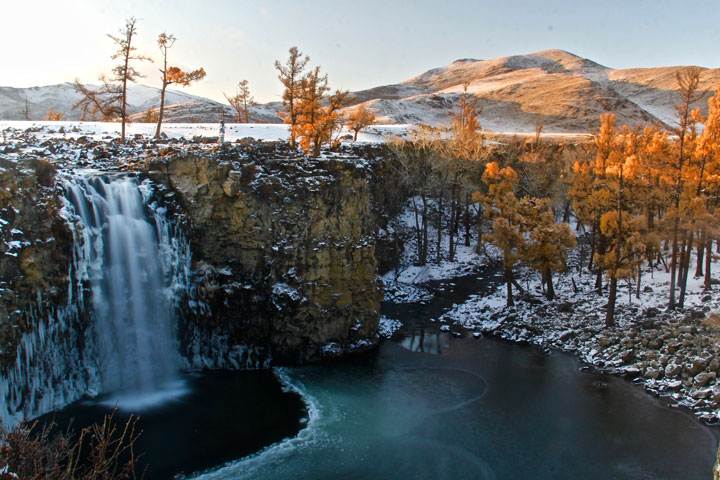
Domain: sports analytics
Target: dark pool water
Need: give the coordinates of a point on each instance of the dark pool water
(483, 409)
(427, 405)
(209, 419)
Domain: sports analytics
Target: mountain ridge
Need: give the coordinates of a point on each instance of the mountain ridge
(554, 88)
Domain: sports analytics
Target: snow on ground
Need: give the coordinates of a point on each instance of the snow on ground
(405, 283)
(233, 131)
(671, 353)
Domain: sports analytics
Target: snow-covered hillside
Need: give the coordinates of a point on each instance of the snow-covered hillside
(561, 91)
(62, 97)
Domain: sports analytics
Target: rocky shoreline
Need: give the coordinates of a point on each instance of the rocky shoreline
(675, 354)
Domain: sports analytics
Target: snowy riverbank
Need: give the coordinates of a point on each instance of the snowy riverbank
(674, 354)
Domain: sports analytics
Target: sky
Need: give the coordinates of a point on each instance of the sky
(359, 44)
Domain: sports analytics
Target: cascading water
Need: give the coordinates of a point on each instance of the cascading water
(121, 337)
(134, 266)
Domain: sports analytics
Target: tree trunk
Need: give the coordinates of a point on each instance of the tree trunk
(439, 228)
(700, 255)
(610, 315)
(708, 260)
(673, 260)
(425, 230)
(468, 230)
(550, 292)
(418, 233)
(601, 251)
(639, 278)
(509, 282)
(162, 108)
(685, 268)
(451, 226)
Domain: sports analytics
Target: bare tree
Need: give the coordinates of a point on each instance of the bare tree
(242, 101)
(25, 111)
(172, 75)
(124, 72)
(98, 104)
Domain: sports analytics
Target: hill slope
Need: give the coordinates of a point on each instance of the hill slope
(561, 91)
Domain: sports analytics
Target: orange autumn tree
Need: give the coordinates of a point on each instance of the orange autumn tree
(291, 75)
(360, 118)
(620, 225)
(708, 187)
(503, 207)
(318, 116)
(589, 199)
(172, 75)
(548, 243)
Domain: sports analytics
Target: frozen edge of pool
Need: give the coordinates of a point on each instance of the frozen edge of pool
(245, 467)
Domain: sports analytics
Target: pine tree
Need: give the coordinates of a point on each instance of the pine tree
(172, 75)
(688, 82)
(52, 115)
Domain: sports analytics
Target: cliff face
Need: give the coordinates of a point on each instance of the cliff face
(35, 250)
(284, 254)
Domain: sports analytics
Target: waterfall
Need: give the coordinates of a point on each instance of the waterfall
(134, 266)
(116, 332)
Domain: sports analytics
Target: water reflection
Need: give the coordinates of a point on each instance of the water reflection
(481, 410)
(427, 341)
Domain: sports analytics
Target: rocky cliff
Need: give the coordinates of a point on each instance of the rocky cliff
(283, 252)
(35, 249)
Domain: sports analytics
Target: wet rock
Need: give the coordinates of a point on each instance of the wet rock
(696, 366)
(566, 335)
(673, 370)
(704, 378)
(565, 307)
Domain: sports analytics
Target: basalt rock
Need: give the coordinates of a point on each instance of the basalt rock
(283, 249)
(35, 245)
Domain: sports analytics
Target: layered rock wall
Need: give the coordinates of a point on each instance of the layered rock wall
(284, 255)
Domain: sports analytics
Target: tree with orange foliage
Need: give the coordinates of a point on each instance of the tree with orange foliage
(317, 116)
(548, 242)
(688, 82)
(291, 75)
(709, 182)
(504, 209)
(590, 201)
(241, 102)
(52, 115)
(359, 119)
(172, 75)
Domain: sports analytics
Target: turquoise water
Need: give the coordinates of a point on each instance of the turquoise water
(483, 409)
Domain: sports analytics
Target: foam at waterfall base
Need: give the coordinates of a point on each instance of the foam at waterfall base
(139, 400)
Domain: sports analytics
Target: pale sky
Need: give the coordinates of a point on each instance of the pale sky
(359, 44)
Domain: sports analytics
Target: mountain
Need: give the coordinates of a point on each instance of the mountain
(564, 92)
(62, 97)
(561, 91)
